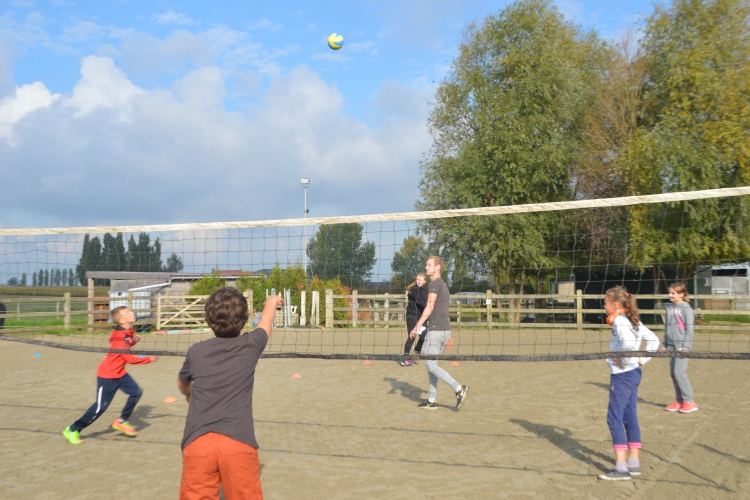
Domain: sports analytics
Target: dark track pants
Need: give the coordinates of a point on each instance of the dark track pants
(622, 416)
(106, 388)
(411, 322)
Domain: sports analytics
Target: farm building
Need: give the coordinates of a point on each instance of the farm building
(160, 283)
(723, 280)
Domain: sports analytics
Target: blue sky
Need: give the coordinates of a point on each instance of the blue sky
(122, 112)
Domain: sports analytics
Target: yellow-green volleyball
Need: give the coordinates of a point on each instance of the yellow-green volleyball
(335, 41)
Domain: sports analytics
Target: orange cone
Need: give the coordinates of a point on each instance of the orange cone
(367, 362)
(454, 363)
(169, 399)
(296, 375)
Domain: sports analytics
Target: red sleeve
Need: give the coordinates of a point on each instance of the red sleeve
(132, 359)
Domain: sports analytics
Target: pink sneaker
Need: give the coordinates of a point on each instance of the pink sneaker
(689, 408)
(674, 407)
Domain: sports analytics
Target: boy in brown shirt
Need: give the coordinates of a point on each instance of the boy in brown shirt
(217, 378)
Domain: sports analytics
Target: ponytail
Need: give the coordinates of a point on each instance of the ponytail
(626, 302)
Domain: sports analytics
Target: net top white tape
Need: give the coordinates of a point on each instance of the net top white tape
(432, 214)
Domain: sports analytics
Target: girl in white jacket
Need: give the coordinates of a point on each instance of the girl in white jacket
(625, 377)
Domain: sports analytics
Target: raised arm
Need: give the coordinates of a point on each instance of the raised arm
(269, 311)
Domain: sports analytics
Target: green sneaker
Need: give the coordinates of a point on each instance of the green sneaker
(73, 437)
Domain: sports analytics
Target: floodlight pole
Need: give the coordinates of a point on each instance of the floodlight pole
(305, 182)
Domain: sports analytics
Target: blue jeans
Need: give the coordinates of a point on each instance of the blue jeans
(622, 416)
(106, 388)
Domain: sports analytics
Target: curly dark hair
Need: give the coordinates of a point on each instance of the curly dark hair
(226, 312)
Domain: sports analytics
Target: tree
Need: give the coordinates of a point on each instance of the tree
(64, 280)
(113, 253)
(409, 261)
(13, 281)
(507, 128)
(71, 278)
(33, 279)
(90, 257)
(337, 251)
(693, 135)
(143, 256)
(46, 277)
(208, 284)
(174, 264)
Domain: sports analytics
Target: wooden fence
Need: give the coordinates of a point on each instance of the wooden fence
(354, 310)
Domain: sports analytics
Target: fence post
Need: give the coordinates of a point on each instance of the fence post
(354, 307)
(158, 312)
(66, 310)
(579, 309)
(18, 310)
(91, 304)
(315, 309)
(489, 309)
(387, 306)
(329, 308)
(302, 306)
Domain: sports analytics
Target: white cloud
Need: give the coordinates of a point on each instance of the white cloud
(27, 99)
(172, 17)
(264, 24)
(102, 85)
(178, 155)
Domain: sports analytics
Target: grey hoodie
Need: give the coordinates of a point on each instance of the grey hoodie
(678, 329)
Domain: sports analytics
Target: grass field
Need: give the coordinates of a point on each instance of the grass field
(346, 430)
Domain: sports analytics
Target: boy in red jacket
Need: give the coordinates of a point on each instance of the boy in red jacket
(111, 376)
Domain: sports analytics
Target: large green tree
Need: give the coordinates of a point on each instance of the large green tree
(338, 251)
(409, 261)
(507, 129)
(694, 135)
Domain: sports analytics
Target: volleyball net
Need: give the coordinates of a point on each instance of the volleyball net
(527, 282)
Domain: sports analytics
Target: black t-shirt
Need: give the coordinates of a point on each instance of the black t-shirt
(221, 398)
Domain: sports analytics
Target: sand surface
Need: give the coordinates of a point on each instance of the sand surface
(346, 430)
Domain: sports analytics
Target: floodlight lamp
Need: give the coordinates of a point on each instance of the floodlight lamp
(304, 182)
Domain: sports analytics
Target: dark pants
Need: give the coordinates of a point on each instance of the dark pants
(106, 388)
(622, 415)
(411, 322)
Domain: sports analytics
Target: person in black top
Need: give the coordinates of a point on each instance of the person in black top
(417, 295)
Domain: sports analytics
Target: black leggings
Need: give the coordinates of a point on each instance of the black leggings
(411, 322)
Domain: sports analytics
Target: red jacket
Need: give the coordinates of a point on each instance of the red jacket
(113, 365)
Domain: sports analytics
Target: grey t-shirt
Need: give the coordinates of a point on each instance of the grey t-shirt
(221, 398)
(440, 319)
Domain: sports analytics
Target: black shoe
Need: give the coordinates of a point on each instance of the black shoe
(428, 406)
(461, 396)
(615, 475)
(406, 362)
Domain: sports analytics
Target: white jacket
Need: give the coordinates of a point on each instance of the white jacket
(627, 338)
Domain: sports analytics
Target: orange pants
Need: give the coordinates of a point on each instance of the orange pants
(215, 459)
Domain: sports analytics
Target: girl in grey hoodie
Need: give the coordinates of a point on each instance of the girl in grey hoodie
(678, 336)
